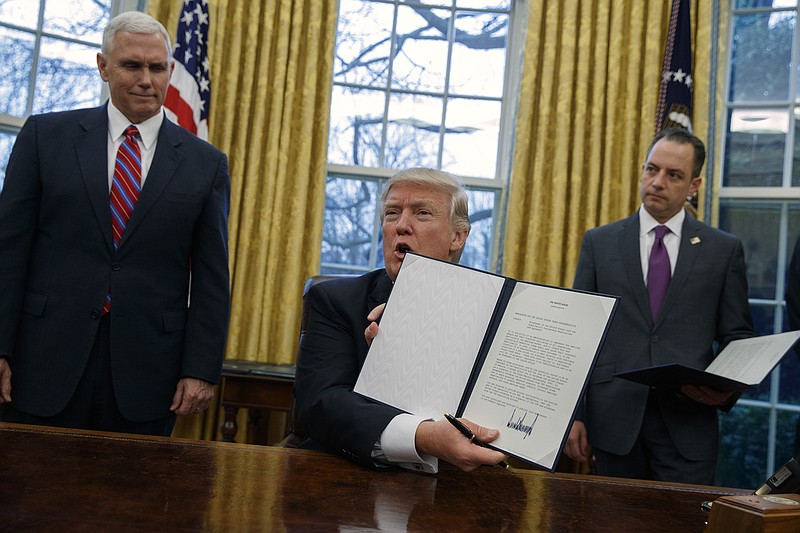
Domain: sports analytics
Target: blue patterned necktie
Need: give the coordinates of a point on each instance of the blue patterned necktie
(658, 272)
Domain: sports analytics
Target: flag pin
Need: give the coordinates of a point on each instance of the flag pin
(695, 240)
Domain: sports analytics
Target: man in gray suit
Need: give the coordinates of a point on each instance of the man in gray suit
(636, 431)
(96, 328)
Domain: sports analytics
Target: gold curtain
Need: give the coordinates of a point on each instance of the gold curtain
(588, 96)
(271, 76)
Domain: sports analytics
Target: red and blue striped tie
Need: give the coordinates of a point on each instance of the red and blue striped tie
(125, 188)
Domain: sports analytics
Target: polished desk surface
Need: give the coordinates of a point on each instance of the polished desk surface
(69, 480)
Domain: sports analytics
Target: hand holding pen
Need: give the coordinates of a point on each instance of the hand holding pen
(461, 427)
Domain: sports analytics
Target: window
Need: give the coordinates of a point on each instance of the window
(418, 83)
(759, 201)
(47, 62)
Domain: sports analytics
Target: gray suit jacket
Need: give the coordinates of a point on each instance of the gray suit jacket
(58, 262)
(705, 306)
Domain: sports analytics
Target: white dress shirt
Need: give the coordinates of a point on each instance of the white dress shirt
(647, 236)
(148, 137)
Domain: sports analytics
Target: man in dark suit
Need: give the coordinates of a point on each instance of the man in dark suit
(792, 296)
(96, 328)
(635, 431)
(422, 211)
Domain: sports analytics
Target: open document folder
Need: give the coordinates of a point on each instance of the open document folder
(743, 363)
(505, 354)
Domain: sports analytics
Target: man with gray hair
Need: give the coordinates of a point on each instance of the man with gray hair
(105, 217)
(422, 211)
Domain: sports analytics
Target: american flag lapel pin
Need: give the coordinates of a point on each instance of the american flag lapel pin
(695, 240)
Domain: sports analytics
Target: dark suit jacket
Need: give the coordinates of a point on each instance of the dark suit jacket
(706, 303)
(331, 353)
(792, 293)
(58, 262)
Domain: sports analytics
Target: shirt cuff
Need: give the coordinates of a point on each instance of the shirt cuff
(397, 443)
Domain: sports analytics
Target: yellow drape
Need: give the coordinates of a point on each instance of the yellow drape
(588, 95)
(271, 76)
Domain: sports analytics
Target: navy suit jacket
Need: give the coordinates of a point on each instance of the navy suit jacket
(58, 263)
(706, 303)
(331, 353)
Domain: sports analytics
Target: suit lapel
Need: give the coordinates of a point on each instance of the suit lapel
(688, 251)
(379, 291)
(632, 262)
(91, 147)
(165, 162)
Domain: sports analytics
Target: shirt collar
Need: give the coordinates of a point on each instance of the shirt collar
(148, 130)
(647, 222)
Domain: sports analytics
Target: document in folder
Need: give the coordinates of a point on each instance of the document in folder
(743, 363)
(502, 353)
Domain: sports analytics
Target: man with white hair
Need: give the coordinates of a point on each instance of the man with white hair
(105, 215)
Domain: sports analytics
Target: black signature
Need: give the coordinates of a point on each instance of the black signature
(519, 424)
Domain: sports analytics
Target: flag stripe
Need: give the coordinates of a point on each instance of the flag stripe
(183, 113)
(189, 93)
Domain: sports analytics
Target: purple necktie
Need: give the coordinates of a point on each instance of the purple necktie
(658, 272)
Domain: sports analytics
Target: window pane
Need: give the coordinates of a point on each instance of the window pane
(743, 447)
(80, 19)
(6, 144)
(437, 3)
(363, 43)
(412, 135)
(349, 221)
(471, 138)
(478, 248)
(420, 62)
(356, 127)
(785, 444)
(740, 4)
(761, 57)
(67, 77)
(479, 54)
(15, 66)
(754, 148)
(485, 4)
(763, 323)
(23, 13)
(757, 225)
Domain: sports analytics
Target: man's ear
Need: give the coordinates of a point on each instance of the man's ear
(459, 238)
(102, 66)
(695, 185)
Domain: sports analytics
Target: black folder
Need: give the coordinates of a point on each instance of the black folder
(674, 375)
(752, 359)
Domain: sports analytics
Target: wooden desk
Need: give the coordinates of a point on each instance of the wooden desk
(257, 387)
(82, 481)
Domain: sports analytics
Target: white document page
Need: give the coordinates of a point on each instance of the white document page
(749, 361)
(536, 368)
(429, 337)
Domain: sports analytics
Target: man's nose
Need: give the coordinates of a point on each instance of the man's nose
(145, 78)
(403, 223)
(658, 179)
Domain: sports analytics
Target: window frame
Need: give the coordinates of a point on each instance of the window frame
(498, 184)
(12, 124)
(720, 196)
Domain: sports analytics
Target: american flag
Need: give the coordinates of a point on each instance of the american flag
(189, 92)
(675, 96)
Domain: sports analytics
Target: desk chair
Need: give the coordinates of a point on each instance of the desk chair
(296, 434)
